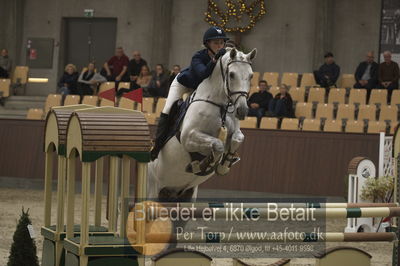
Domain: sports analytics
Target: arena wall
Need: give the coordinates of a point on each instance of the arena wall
(291, 37)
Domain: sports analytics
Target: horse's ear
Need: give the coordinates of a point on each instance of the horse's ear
(233, 53)
(252, 54)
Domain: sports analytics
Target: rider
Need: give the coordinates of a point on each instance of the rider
(201, 67)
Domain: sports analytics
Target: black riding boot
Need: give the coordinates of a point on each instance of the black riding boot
(161, 135)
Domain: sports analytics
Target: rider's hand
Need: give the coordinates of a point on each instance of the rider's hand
(220, 53)
(254, 105)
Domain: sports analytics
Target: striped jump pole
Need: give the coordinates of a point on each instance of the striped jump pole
(264, 237)
(271, 214)
(280, 205)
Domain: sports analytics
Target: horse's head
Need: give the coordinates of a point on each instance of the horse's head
(237, 74)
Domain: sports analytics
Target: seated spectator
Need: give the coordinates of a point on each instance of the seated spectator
(258, 101)
(159, 84)
(282, 104)
(144, 78)
(135, 65)
(5, 64)
(175, 71)
(367, 74)
(68, 83)
(89, 80)
(328, 73)
(389, 74)
(116, 68)
(132, 86)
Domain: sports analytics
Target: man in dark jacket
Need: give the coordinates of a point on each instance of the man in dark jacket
(389, 74)
(259, 101)
(328, 73)
(135, 65)
(367, 74)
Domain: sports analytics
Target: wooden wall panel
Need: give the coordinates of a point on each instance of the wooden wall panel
(313, 163)
(310, 163)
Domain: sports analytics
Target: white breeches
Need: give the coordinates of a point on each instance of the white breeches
(176, 92)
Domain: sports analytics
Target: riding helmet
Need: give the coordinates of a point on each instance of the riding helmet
(214, 33)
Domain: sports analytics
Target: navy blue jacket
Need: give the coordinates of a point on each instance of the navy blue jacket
(70, 80)
(373, 72)
(200, 68)
(332, 71)
(261, 98)
(282, 107)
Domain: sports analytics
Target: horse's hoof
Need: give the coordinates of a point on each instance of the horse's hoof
(225, 167)
(222, 170)
(193, 167)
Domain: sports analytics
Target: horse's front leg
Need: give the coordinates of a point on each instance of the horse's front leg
(230, 157)
(206, 145)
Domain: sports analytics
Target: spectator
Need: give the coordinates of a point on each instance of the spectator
(159, 83)
(328, 73)
(258, 101)
(116, 68)
(132, 86)
(88, 80)
(367, 74)
(175, 71)
(68, 83)
(282, 104)
(389, 74)
(135, 65)
(144, 78)
(5, 64)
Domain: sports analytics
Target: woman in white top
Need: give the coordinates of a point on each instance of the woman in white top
(89, 79)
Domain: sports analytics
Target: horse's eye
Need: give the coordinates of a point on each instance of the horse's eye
(232, 75)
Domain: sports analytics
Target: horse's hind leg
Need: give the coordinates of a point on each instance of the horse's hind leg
(230, 156)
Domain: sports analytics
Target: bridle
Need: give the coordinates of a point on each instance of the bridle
(225, 107)
(225, 79)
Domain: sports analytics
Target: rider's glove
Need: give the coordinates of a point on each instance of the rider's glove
(220, 53)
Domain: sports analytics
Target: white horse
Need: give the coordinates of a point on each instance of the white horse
(219, 102)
